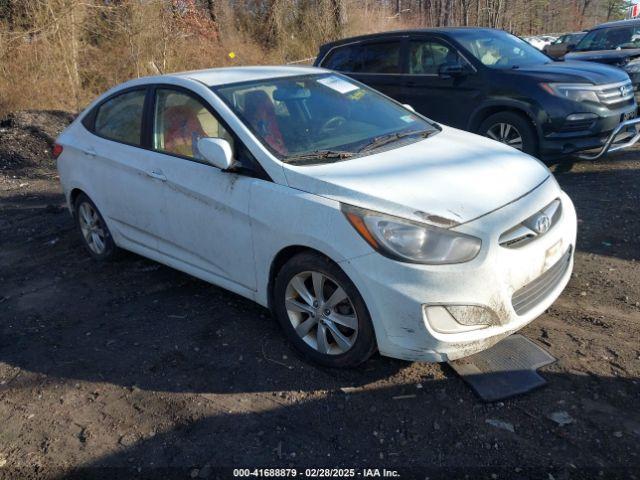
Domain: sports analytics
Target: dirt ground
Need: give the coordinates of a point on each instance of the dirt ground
(132, 368)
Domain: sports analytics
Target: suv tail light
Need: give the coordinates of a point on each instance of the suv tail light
(57, 150)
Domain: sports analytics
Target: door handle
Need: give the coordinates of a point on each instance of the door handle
(157, 174)
(90, 152)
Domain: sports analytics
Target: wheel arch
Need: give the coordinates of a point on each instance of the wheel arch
(485, 111)
(282, 257)
(73, 196)
(75, 192)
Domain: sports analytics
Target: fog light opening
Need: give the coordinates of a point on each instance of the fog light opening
(459, 318)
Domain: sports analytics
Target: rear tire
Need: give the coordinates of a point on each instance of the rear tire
(322, 313)
(93, 230)
(512, 129)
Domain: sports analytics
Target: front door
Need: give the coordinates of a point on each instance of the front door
(207, 223)
(445, 98)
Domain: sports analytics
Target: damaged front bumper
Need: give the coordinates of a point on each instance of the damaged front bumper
(441, 313)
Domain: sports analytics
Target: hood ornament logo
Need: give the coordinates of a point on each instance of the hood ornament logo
(543, 224)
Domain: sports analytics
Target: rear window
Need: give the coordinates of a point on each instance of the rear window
(379, 57)
(342, 59)
(120, 118)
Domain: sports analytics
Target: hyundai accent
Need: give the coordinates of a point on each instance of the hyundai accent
(361, 224)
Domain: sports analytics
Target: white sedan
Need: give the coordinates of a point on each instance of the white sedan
(361, 224)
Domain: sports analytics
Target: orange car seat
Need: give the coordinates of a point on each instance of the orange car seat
(261, 115)
(182, 129)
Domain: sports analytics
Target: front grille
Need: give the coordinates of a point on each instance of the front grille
(616, 94)
(622, 104)
(527, 231)
(533, 293)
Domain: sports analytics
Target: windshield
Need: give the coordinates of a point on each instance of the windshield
(324, 116)
(610, 39)
(498, 49)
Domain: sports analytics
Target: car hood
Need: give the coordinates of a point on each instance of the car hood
(574, 72)
(448, 179)
(610, 57)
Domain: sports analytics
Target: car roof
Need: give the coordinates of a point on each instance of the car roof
(619, 23)
(223, 76)
(392, 33)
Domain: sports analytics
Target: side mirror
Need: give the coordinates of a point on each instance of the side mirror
(216, 151)
(571, 47)
(452, 70)
(409, 107)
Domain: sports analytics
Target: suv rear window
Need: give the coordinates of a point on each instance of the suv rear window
(379, 57)
(342, 59)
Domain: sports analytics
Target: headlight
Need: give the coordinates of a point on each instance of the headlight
(632, 67)
(577, 92)
(409, 241)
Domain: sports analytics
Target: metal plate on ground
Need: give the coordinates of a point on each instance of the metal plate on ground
(504, 370)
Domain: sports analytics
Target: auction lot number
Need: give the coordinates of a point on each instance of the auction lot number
(314, 472)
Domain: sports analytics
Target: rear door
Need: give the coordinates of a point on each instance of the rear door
(379, 63)
(123, 174)
(445, 98)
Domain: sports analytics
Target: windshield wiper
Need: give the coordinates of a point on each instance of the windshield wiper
(314, 157)
(382, 140)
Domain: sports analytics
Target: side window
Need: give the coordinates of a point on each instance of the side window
(427, 56)
(342, 59)
(120, 118)
(180, 121)
(379, 58)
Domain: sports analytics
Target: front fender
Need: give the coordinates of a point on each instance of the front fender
(283, 217)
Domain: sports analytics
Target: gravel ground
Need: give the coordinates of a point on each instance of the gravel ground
(132, 368)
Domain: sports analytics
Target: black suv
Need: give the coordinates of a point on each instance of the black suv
(614, 43)
(490, 82)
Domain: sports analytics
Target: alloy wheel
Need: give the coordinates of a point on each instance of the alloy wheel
(507, 134)
(92, 229)
(321, 313)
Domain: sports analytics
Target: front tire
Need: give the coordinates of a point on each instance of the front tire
(322, 313)
(512, 129)
(94, 232)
